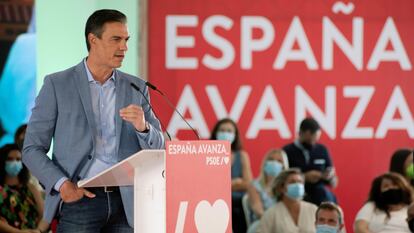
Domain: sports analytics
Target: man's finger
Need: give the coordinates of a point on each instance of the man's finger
(88, 194)
(131, 110)
(137, 113)
(128, 110)
(74, 196)
(131, 113)
(134, 106)
(129, 119)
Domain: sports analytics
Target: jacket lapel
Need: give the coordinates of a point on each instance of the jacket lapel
(121, 86)
(82, 84)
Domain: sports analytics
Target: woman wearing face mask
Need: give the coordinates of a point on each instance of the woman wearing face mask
(241, 174)
(21, 204)
(386, 209)
(402, 163)
(290, 214)
(260, 190)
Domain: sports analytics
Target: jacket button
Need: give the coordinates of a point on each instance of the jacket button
(89, 157)
(79, 178)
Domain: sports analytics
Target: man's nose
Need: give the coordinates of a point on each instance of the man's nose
(123, 46)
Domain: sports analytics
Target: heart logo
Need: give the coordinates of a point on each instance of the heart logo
(212, 219)
(226, 160)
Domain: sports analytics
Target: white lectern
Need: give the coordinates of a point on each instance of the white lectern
(144, 170)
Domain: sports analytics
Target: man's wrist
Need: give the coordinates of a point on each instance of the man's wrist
(147, 128)
(60, 183)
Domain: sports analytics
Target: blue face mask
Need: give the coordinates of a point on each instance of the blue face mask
(272, 168)
(225, 136)
(295, 191)
(13, 168)
(326, 229)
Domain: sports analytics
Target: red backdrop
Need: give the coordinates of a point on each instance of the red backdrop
(268, 63)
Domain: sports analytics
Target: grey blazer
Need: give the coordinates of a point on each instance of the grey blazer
(63, 111)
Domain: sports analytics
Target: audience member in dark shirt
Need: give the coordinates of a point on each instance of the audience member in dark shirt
(314, 160)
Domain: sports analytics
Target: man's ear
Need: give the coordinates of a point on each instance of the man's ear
(341, 227)
(91, 39)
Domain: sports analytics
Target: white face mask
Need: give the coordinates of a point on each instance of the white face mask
(13, 168)
(225, 136)
(326, 229)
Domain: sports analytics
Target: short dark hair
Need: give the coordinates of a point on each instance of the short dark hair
(237, 144)
(332, 207)
(97, 20)
(398, 160)
(309, 124)
(280, 181)
(24, 174)
(399, 181)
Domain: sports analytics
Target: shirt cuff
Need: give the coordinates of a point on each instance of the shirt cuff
(147, 136)
(59, 183)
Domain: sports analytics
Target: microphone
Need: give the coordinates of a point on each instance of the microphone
(171, 105)
(153, 87)
(136, 88)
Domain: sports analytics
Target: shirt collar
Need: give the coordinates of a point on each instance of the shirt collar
(299, 145)
(89, 74)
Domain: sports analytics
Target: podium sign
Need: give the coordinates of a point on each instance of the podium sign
(185, 188)
(198, 186)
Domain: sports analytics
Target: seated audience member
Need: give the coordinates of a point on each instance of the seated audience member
(402, 163)
(290, 213)
(314, 160)
(329, 218)
(386, 209)
(241, 174)
(260, 193)
(21, 204)
(19, 136)
(410, 217)
(19, 140)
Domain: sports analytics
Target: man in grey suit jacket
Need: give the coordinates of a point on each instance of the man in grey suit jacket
(95, 120)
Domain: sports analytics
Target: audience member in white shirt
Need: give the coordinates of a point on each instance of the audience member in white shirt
(290, 214)
(386, 209)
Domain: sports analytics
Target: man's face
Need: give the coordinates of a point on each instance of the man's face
(328, 217)
(309, 138)
(110, 49)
